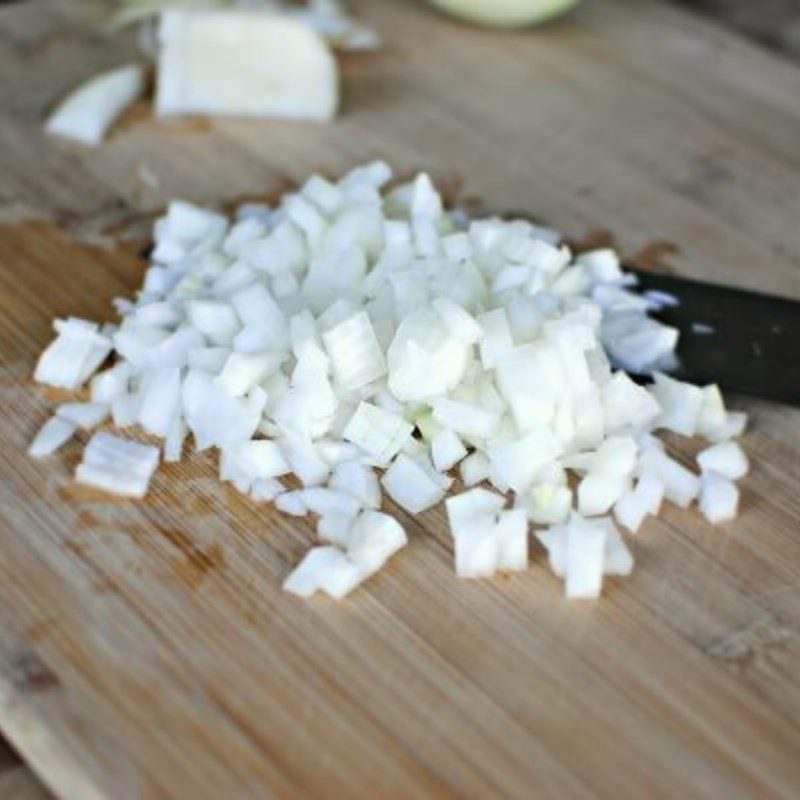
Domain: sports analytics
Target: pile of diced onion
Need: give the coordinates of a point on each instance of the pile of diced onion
(364, 342)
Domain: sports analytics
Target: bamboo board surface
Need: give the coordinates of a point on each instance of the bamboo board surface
(146, 650)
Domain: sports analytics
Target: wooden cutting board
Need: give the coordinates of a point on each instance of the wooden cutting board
(146, 650)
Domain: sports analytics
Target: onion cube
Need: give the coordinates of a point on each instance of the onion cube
(719, 498)
(726, 459)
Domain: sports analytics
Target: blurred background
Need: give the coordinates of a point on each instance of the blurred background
(773, 23)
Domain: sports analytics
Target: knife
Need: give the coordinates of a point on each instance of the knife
(746, 342)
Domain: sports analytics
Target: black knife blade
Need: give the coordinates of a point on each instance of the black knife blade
(745, 341)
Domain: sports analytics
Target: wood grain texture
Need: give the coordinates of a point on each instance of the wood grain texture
(146, 650)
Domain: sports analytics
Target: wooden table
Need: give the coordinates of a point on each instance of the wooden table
(145, 648)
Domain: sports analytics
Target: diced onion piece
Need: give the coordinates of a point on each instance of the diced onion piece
(111, 383)
(86, 114)
(627, 405)
(374, 539)
(548, 503)
(359, 481)
(356, 356)
(377, 432)
(680, 404)
(632, 508)
(118, 466)
(305, 459)
(554, 541)
(214, 417)
(173, 442)
(458, 321)
(187, 231)
(477, 550)
(713, 416)
(496, 341)
(447, 450)
(465, 418)
(77, 351)
(160, 400)
(425, 359)
(598, 493)
(243, 371)
(511, 531)
(637, 343)
(324, 569)
(265, 490)
(306, 343)
(487, 538)
(617, 559)
(582, 551)
(602, 265)
(83, 415)
(584, 557)
(260, 458)
(726, 459)
(125, 409)
(52, 435)
(258, 309)
(410, 485)
(324, 501)
(518, 462)
(735, 424)
(335, 528)
(291, 503)
(337, 452)
(464, 508)
(719, 498)
(215, 319)
(474, 469)
(681, 486)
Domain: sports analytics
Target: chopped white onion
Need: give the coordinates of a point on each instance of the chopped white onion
(335, 528)
(582, 551)
(680, 404)
(52, 435)
(83, 415)
(635, 504)
(325, 569)
(467, 419)
(359, 481)
(89, 111)
(266, 490)
(726, 459)
(374, 539)
(356, 356)
(378, 433)
(411, 486)
(351, 331)
(78, 350)
(293, 75)
(291, 503)
(681, 486)
(447, 450)
(118, 466)
(719, 498)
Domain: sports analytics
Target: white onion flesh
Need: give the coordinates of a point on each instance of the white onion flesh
(719, 498)
(118, 466)
(367, 341)
(86, 114)
(55, 433)
(244, 63)
(83, 415)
